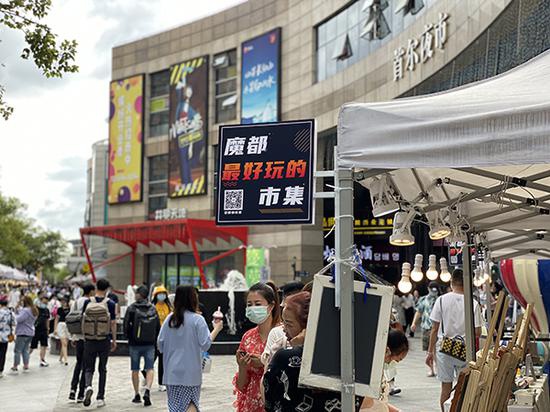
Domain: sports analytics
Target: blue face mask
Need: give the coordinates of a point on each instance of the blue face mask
(161, 297)
(43, 305)
(257, 314)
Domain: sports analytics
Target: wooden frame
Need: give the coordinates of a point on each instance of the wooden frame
(309, 379)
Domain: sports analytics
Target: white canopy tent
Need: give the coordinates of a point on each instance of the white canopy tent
(477, 157)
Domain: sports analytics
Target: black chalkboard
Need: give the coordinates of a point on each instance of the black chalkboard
(326, 355)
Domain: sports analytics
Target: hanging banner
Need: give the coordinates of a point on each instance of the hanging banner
(188, 127)
(125, 140)
(266, 173)
(260, 78)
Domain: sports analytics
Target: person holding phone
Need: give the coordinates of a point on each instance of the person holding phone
(183, 337)
(263, 309)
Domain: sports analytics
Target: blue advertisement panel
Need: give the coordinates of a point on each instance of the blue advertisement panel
(260, 78)
(266, 173)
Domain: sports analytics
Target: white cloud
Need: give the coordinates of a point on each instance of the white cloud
(44, 145)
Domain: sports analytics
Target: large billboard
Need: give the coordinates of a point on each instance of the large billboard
(188, 127)
(266, 173)
(125, 140)
(260, 78)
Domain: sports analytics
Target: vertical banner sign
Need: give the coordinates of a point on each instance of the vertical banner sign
(125, 140)
(260, 78)
(266, 173)
(188, 127)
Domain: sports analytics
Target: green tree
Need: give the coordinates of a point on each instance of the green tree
(52, 56)
(25, 245)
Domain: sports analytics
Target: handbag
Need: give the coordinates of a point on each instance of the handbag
(454, 347)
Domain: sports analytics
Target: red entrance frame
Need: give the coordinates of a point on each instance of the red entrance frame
(187, 231)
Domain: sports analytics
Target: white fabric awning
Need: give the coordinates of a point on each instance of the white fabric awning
(482, 150)
(499, 121)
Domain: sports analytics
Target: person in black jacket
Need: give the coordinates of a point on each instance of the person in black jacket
(41, 326)
(142, 326)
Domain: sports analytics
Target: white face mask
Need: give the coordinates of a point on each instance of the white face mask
(161, 297)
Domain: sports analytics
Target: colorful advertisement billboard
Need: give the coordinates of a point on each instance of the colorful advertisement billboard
(260, 78)
(266, 173)
(188, 128)
(125, 140)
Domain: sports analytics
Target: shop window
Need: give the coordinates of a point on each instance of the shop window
(158, 184)
(225, 68)
(156, 268)
(159, 103)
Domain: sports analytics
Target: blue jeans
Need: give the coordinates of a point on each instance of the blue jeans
(22, 344)
(145, 352)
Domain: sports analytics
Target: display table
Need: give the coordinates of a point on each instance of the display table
(542, 398)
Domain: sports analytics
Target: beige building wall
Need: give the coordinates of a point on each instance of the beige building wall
(370, 79)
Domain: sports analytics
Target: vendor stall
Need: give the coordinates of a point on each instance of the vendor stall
(471, 162)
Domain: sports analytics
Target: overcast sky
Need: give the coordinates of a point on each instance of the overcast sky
(46, 142)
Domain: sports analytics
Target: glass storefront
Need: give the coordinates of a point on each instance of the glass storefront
(174, 269)
(517, 35)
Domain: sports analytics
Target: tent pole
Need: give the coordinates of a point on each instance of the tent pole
(468, 300)
(344, 281)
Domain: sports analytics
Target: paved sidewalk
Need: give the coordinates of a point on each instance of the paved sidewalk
(47, 389)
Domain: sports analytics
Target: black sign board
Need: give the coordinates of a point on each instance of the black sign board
(266, 173)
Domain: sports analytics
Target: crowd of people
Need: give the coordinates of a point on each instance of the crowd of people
(174, 334)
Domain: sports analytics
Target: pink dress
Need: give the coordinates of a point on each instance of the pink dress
(250, 399)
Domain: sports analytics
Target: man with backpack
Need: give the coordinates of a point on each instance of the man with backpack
(142, 326)
(99, 329)
(74, 325)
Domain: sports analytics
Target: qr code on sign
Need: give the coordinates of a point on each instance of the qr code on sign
(233, 199)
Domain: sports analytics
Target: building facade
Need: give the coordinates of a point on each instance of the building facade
(96, 212)
(331, 52)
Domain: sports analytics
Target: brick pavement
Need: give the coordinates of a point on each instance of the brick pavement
(47, 389)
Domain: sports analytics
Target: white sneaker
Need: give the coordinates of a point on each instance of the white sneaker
(162, 388)
(100, 403)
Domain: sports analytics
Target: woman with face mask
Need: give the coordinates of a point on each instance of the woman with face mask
(396, 350)
(164, 308)
(263, 310)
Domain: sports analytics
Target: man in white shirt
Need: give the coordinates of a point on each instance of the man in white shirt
(448, 320)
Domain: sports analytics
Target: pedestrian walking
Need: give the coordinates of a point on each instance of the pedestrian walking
(183, 338)
(408, 306)
(142, 327)
(25, 316)
(41, 326)
(164, 308)
(423, 311)
(7, 326)
(99, 327)
(448, 322)
(60, 327)
(79, 379)
(263, 309)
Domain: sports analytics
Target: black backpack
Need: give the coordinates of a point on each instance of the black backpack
(146, 321)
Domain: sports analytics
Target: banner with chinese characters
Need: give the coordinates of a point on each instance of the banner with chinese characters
(188, 127)
(125, 140)
(266, 173)
(260, 78)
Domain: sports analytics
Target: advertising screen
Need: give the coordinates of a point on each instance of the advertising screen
(260, 78)
(188, 127)
(125, 140)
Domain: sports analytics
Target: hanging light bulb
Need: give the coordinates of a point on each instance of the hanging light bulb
(486, 272)
(401, 235)
(478, 279)
(438, 229)
(405, 285)
(416, 274)
(432, 273)
(445, 275)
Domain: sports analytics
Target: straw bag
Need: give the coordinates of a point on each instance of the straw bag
(454, 347)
